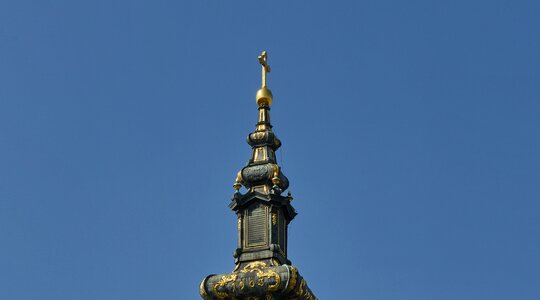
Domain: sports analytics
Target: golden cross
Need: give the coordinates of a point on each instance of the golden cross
(263, 60)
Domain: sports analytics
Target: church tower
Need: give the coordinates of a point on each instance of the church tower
(262, 270)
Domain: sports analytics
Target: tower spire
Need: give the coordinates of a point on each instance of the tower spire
(262, 269)
(262, 174)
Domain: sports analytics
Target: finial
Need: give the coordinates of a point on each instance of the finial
(264, 95)
(238, 182)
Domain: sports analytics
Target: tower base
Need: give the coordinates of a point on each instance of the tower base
(262, 280)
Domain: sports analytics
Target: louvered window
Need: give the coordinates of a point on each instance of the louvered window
(256, 226)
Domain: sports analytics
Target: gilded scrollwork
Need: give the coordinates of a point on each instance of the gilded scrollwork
(292, 279)
(303, 292)
(262, 271)
(257, 280)
(223, 282)
(253, 266)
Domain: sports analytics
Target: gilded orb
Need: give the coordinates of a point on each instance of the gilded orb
(264, 97)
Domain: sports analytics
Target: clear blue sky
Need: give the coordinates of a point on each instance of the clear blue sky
(410, 135)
